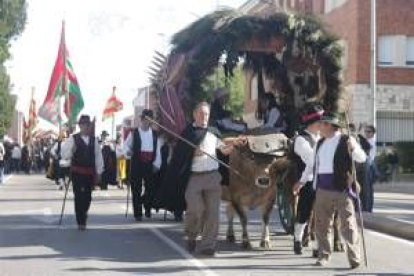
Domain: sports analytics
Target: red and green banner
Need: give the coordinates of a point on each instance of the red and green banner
(112, 106)
(63, 83)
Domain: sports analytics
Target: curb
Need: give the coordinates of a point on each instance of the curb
(389, 226)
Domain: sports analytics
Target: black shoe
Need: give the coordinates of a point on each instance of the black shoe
(138, 218)
(148, 213)
(82, 227)
(355, 265)
(191, 246)
(208, 252)
(297, 247)
(315, 253)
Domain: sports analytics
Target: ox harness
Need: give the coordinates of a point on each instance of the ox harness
(268, 146)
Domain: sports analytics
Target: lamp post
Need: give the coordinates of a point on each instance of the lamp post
(373, 72)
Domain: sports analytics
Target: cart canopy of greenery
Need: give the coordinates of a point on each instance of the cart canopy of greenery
(296, 52)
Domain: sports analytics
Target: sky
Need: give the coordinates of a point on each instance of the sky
(111, 43)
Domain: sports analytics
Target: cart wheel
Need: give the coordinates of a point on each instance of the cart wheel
(285, 209)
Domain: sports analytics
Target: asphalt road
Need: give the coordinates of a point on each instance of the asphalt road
(31, 243)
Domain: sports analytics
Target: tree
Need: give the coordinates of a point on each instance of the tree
(233, 83)
(12, 22)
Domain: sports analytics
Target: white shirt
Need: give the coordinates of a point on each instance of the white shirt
(158, 159)
(147, 143)
(119, 149)
(274, 114)
(306, 152)
(201, 161)
(326, 153)
(2, 151)
(68, 149)
(16, 153)
(373, 150)
(54, 149)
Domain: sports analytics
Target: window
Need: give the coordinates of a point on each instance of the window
(409, 52)
(386, 50)
(333, 4)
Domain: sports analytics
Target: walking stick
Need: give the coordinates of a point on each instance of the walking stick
(64, 201)
(361, 219)
(128, 188)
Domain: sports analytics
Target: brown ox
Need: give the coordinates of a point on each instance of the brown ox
(261, 163)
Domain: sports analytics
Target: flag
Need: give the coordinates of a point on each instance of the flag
(32, 115)
(63, 83)
(25, 133)
(50, 111)
(30, 125)
(112, 105)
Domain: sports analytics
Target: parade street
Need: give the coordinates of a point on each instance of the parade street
(31, 243)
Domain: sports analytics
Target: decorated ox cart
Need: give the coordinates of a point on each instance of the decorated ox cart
(291, 55)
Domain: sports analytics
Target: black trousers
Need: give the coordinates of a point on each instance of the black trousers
(82, 190)
(142, 175)
(305, 203)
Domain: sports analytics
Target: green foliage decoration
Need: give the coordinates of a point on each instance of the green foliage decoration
(221, 35)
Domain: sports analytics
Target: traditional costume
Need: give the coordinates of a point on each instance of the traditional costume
(141, 147)
(86, 165)
(303, 157)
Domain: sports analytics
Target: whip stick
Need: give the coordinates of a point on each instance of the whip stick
(64, 202)
(361, 219)
(128, 187)
(194, 146)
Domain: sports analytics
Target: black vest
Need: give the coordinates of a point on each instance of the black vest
(342, 164)
(300, 165)
(84, 155)
(136, 145)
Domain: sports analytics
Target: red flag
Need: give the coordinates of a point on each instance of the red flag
(112, 105)
(63, 83)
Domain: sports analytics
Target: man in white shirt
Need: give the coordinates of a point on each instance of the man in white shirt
(86, 167)
(203, 192)
(303, 159)
(372, 172)
(141, 148)
(16, 158)
(335, 189)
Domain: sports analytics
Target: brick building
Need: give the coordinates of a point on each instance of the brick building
(350, 20)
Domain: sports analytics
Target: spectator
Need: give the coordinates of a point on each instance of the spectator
(16, 158)
(372, 172)
(271, 114)
(393, 161)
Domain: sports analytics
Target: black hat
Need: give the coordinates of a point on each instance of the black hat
(104, 133)
(147, 113)
(84, 119)
(331, 118)
(311, 113)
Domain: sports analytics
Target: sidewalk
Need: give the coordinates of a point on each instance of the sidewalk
(393, 210)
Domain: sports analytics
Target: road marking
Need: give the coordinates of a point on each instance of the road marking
(393, 211)
(200, 265)
(403, 220)
(389, 237)
(43, 215)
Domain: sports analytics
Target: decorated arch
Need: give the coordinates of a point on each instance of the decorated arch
(294, 54)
